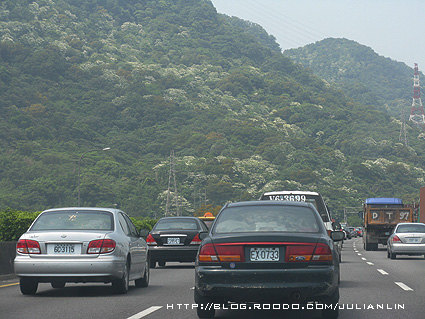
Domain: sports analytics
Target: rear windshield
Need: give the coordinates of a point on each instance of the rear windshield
(168, 224)
(316, 200)
(266, 219)
(411, 229)
(74, 220)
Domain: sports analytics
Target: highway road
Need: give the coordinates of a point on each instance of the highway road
(372, 286)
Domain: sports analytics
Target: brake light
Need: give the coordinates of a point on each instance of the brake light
(396, 239)
(101, 246)
(26, 246)
(196, 240)
(299, 253)
(223, 253)
(150, 240)
(322, 253)
(308, 252)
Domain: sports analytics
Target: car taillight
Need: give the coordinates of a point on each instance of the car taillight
(396, 239)
(224, 253)
(299, 253)
(308, 252)
(101, 246)
(26, 246)
(150, 240)
(196, 240)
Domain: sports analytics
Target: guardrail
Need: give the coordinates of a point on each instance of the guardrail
(7, 255)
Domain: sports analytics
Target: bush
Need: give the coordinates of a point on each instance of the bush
(14, 223)
(143, 222)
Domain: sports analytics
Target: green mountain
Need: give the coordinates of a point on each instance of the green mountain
(360, 72)
(152, 78)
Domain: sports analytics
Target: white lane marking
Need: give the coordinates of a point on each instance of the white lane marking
(403, 286)
(359, 254)
(364, 258)
(382, 271)
(144, 313)
(369, 263)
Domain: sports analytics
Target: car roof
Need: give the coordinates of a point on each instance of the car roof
(291, 192)
(112, 210)
(179, 217)
(270, 203)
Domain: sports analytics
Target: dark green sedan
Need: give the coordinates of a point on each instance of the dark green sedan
(267, 252)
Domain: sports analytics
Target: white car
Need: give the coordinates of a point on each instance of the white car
(406, 239)
(82, 245)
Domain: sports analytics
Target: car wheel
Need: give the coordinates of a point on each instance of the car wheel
(28, 285)
(120, 286)
(144, 281)
(161, 263)
(152, 263)
(393, 256)
(388, 254)
(58, 284)
(332, 309)
(205, 306)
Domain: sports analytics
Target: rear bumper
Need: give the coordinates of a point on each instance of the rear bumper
(173, 253)
(102, 268)
(408, 249)
(255, 285)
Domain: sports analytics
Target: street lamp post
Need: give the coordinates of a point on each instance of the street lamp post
(79, 162)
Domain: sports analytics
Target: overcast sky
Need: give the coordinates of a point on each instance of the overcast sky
(392, 28)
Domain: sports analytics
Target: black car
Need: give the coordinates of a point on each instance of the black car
(267, 251)
(175, 239)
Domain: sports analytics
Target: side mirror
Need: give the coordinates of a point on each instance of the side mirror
(337, 235)
(144, 233)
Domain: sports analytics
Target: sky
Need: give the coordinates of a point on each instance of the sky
(392, 28)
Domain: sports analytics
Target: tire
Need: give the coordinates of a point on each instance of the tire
(388, 254)
(393, 256)
(205, 307)
(161, 263)
(120, 286)
(58, 284)
(28, 285)
(144, 281)
(331, 309)
(152, 263)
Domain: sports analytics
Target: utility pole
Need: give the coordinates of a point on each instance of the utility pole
(172, 175)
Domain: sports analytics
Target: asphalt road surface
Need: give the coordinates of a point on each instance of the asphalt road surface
(372, 286)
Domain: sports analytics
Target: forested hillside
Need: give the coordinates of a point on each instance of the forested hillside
(146, 78)
(360, 72)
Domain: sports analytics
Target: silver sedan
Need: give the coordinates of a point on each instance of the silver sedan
(407, 239)
(82, 245)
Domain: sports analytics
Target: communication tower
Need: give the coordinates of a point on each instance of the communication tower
(417, 112)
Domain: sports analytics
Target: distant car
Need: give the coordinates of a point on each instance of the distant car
(406, 239)
(82, 245)
(267, 251)
(175, 239)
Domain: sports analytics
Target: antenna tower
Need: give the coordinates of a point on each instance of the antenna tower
(172, 175)
(417, 112)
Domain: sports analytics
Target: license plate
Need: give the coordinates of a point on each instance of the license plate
(63, 249)
(413, 240)
(173, 241)
(264, 254)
